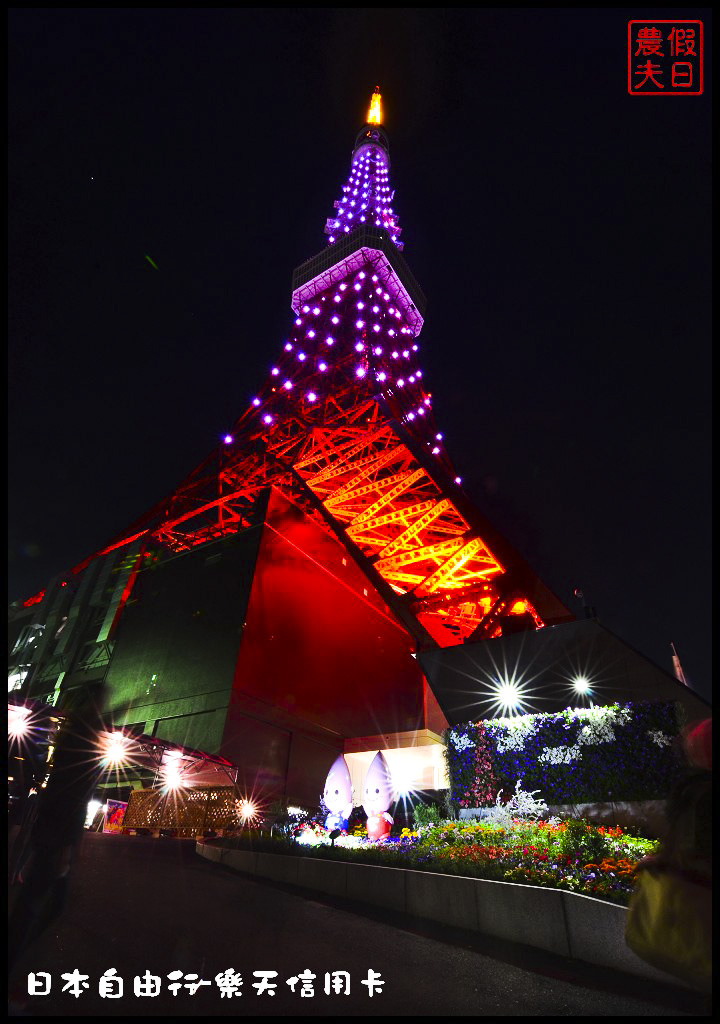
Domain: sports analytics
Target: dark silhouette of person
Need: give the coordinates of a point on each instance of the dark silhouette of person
(58, 826)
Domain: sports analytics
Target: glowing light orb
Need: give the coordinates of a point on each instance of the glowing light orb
(247, 811)
(172, 770)
(115, 748)
(18, 721)
(581, 684)
(508, 696)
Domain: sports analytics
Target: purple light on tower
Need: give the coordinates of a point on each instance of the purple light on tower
(368, 180)
(228, 439)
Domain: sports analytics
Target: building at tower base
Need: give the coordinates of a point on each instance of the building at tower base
(547, 670)
(269, 648)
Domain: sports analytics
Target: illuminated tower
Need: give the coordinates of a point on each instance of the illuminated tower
(290, 599)
(344, 426)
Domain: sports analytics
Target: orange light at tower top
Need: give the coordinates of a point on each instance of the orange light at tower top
(375, 114)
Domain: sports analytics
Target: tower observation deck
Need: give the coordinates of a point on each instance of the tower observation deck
(344, 427)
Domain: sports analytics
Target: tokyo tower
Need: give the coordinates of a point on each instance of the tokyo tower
(320, 583)
(344, 427)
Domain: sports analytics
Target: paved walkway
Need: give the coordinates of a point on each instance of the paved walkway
(139, 905)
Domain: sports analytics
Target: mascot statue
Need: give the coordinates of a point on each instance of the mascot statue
(338, 796)
(377, 797)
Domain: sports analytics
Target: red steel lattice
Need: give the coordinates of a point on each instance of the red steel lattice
(344, 427)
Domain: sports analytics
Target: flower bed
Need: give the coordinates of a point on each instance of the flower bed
(575, 856)
(595, 861)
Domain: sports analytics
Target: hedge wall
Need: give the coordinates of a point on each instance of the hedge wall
(620, 752)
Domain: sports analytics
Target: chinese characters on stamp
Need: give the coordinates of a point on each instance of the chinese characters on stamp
(665, 57)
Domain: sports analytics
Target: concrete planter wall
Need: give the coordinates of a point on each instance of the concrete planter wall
(560, 922)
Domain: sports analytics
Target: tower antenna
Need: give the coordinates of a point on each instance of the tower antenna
(375, 114)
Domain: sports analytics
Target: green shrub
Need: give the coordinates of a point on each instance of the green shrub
(582, 840)
(426, 814)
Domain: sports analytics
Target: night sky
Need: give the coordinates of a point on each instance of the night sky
(559, 228)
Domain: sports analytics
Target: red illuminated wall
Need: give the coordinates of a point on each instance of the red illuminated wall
(321, 659)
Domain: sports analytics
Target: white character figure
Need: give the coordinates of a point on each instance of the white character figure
(377, 797)
(338, 796)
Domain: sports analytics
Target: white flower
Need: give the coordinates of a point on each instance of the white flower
(460, 741)
(600, 723)
(512, 732)
(659, 737)
(560, 755)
